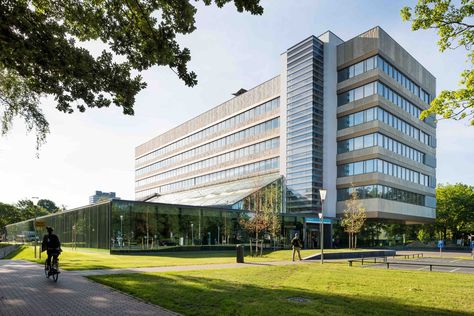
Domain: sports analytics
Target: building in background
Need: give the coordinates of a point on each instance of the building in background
(341, 115)
(100, 196)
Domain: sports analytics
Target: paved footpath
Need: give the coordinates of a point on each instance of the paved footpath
(24, 290)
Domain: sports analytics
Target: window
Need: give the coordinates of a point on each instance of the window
(358, 143)
(368, 140)
(358, 93)
(358, 118)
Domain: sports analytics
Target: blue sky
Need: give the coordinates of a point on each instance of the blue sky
(95, 150)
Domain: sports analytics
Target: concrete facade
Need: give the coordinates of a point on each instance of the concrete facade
(302, 135)
(372, 43)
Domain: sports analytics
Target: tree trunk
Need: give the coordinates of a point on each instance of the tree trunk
(256, 243)
(355, 241)
(250, 241)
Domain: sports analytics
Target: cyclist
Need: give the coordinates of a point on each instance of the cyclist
(52, 245)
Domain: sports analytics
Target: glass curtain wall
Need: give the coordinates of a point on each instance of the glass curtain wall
(305, 125)
(132, 225)
(140, 225)
(87, 227)
(268, 198)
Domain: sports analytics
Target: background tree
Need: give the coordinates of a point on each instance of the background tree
(454, 210)
(455, 29)
(353, 219)
(48, 205)
(8, 214)
(39, 54)
(28, 209)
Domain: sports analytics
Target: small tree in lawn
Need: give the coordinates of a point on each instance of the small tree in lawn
(255, 225)
(354, 218)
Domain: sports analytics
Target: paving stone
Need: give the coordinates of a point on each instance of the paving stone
(24, 290)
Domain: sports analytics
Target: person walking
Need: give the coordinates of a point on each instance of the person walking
(296, 244)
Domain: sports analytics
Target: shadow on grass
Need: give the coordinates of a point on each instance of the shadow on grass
(191, 295)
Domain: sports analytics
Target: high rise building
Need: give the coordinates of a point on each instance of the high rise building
(100, 196)
(341, 115)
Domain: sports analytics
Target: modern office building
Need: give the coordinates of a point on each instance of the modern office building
(100, 196)
(340, 115)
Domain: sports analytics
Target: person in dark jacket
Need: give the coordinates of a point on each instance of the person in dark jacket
(296, 244)
(51, 245)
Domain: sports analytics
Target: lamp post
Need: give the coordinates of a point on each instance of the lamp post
(322, 194)
(35, 201)
(192, 234)
(121, 231)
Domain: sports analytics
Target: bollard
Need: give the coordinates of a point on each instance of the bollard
(239, 253)
(431, 267)
(350, 263)
(388, 265)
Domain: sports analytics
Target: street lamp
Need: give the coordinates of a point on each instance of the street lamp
(35, 201)
(322, 194)
(192, 233)
(121, 231)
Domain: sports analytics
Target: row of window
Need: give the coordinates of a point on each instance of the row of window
(380, 114)
(382, 166)
(205, 133)
(379, 88)
(260, 166)
(381, 192)
(377, 139)
(382, 64)
(211, 162)
(218, 143)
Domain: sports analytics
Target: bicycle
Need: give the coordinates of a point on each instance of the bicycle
(53, 270)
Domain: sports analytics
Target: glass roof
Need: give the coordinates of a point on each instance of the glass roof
(220, 194)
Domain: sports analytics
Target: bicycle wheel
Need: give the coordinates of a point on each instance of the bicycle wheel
(55, 275)
(55, 270)
(46, 270)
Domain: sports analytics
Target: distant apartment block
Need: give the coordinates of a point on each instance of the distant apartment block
(100, 196)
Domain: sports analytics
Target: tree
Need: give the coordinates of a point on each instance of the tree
(48, 205)
(455, 29)
(8, 214)
(264, 202)
(454, 210)
(353, 219)
(29, 210)
(40, 55)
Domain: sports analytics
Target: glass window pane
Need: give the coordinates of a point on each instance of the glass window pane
(368, 140)
(358, 93)
(358, 118)
(369, 89)
(358, 143)
(359, 167)
(358, 68)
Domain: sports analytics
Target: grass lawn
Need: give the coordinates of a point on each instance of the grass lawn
(88, 259)
(308, 289)
(85, 259)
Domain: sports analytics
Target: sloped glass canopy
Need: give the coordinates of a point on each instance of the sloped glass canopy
(224, 194)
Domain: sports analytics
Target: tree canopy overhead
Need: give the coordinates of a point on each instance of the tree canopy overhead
(455, 26)
(40, 55)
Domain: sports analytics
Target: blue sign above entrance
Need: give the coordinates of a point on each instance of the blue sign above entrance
(315, 220)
